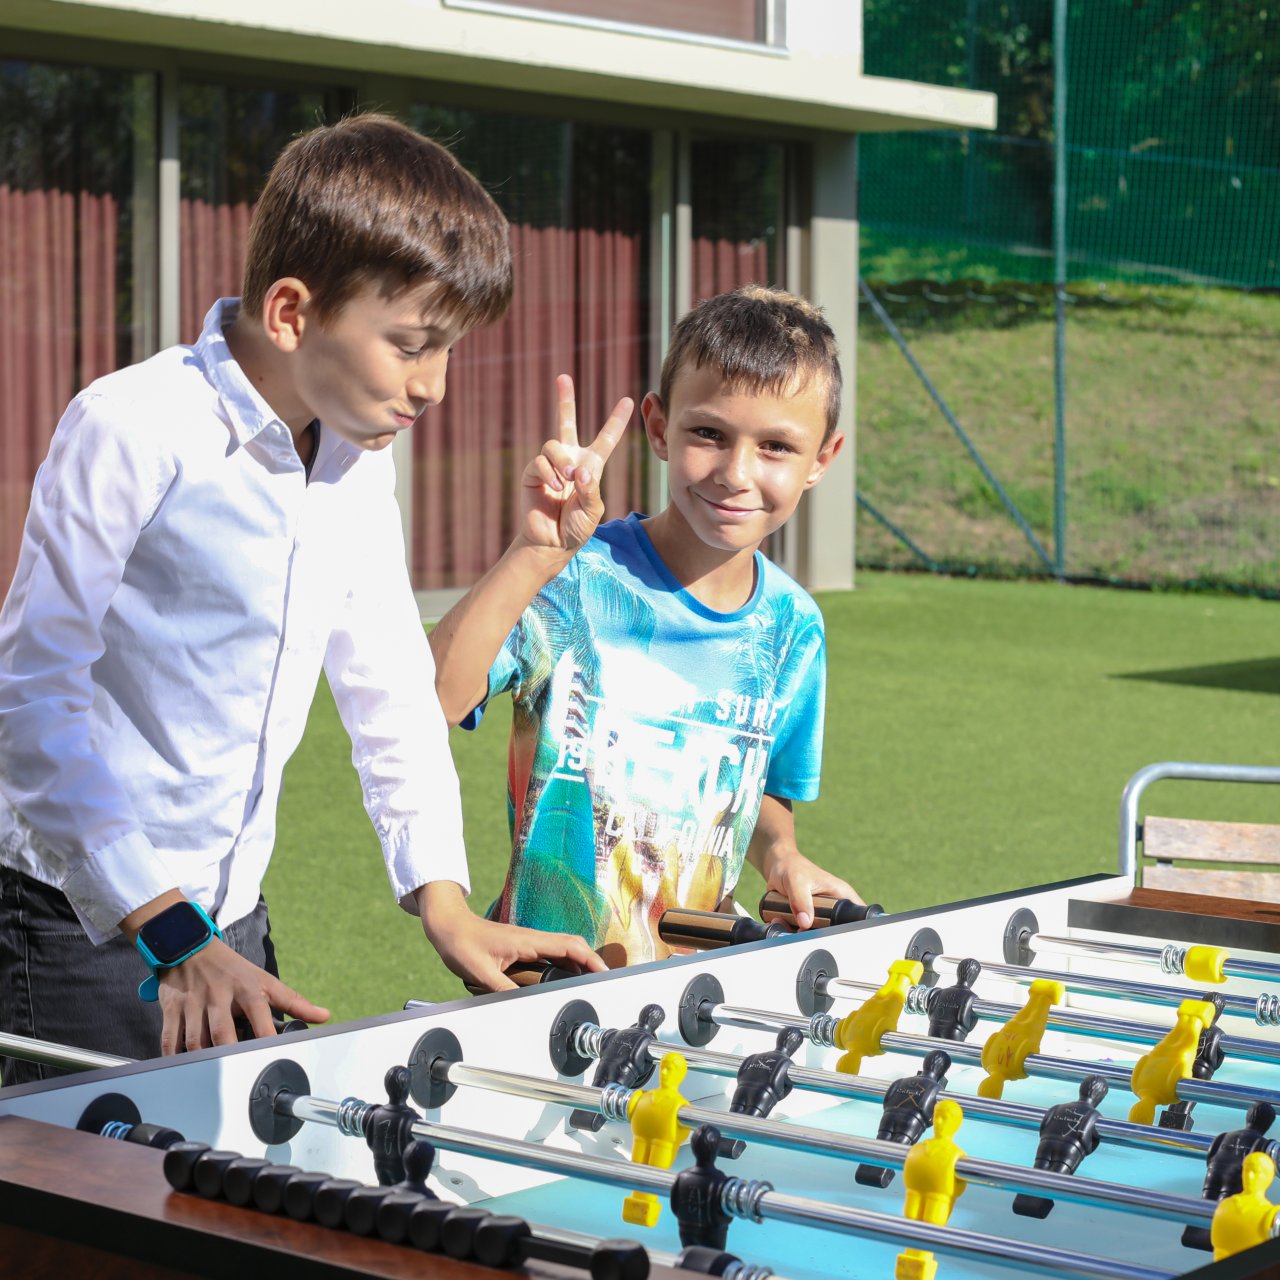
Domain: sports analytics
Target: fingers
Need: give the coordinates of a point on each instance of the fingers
(287, 1000)
(801, 899)
(172, 1034)
(534, 944)
(615, 424)
(202, 998)
(568, 411)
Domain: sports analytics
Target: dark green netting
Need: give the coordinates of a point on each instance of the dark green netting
(1172, 403)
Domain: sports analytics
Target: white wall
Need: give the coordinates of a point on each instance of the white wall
(816, 82)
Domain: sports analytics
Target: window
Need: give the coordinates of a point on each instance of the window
(751, 21)
(737, 206)
(229, 136)
(77, 256)
(578, 200)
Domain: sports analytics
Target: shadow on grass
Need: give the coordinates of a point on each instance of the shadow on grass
(1261, 675)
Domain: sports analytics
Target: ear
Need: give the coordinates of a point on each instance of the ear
(285, 310)
(826, 455)
(655, 423)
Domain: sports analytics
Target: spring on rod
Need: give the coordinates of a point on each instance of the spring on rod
(917, 1000)
(822, 1029)
(1267, 1014)
(352, 1113)
(587, 1040)
(740, 1197)
(613, 1101)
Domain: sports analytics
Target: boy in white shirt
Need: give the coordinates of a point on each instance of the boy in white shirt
(209, 529)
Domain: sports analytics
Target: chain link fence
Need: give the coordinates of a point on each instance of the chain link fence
(1152, 292)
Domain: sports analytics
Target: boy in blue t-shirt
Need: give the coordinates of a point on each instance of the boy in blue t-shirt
(668, 680)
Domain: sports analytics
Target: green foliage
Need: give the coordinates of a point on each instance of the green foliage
(1172, 137)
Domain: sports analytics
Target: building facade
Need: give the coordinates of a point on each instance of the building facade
(647, 154)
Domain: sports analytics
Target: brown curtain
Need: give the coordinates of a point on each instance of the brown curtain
(213, 238)
(581, 307)
(57, 328)
(719, 265)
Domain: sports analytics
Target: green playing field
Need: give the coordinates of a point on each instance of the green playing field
(978, 737)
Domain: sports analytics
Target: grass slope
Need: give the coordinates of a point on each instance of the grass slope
(1170, 412)
(978, 737)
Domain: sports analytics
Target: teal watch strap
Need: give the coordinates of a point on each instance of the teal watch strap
(171, 937)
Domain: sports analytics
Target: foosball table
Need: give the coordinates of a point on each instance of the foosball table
(1092, 1065)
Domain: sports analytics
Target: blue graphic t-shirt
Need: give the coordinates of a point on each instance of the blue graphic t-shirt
(646, 730)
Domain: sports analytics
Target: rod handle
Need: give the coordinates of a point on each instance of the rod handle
(827, 910)
(711, 930)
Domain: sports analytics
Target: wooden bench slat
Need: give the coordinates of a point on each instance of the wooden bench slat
(1253, 886)
(1184, 838)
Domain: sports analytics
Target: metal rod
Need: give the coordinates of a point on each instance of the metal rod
(1021, 1115)
(1170, 957)
(1005, 500)
(902, 536)
(1218, 1093)
(1096, 1025)
(612, 1102)
(1263, 1009)
(1060, 267)
(765, 1203)
(57, 1055)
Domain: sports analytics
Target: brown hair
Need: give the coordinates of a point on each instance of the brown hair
(368, 200)
(758, 340)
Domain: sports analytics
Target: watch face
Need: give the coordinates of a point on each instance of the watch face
(174, 932)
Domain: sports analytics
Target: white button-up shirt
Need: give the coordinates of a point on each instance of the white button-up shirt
(179, 587)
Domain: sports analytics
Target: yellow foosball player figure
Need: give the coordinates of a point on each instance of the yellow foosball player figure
(656, 1134)
(929, 1173)
(1007, 1049)
(1156, 1074)
(858, 1033)
(1248, 1217)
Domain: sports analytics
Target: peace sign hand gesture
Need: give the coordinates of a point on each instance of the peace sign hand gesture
(560, 490)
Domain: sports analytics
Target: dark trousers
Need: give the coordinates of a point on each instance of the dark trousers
(56, 985)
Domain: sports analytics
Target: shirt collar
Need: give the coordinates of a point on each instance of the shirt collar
(247, 412)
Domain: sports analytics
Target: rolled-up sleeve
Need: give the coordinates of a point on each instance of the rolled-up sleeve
(96, 490)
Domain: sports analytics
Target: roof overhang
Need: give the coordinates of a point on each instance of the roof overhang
(472, 46)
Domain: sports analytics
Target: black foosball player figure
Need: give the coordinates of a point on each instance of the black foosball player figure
(1224, 1164)
(624, 1059)
(908, 1112)
(695, 1194)
(951, 1009)
(1068, 1133)
(1210, 1055)
(388, 1128)
(764, 1079)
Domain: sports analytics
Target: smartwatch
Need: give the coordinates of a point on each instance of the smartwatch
(169, 938)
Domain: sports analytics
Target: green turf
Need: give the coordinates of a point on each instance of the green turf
(978, 737)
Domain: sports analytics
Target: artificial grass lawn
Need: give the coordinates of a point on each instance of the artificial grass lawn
(978, 737)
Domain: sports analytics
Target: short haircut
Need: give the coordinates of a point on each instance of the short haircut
(369, 201)
(759, 340)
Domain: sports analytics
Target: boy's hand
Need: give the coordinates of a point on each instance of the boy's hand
(560, 489)
(478, 950)
(202, 997)
(788, 871)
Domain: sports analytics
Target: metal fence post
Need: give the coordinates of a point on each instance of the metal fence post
(1059, 286)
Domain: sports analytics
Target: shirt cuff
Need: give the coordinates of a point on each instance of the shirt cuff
(418, 858)
(117, 879)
